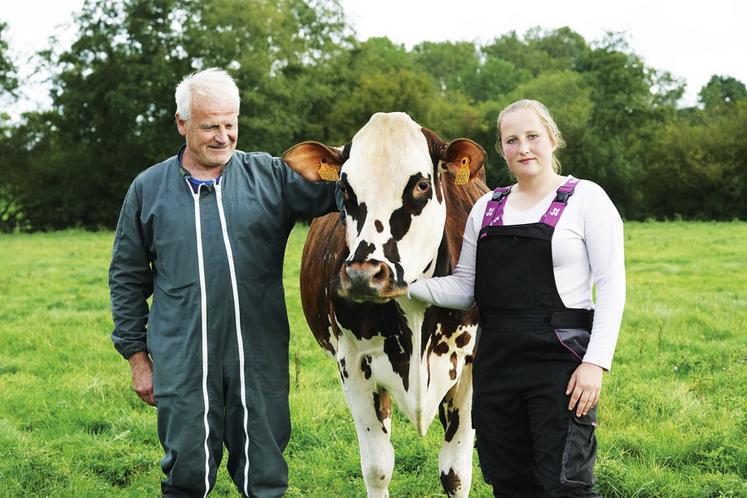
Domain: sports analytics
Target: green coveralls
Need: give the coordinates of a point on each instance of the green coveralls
(217, 330)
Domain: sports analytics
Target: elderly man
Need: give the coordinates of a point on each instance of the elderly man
(204, 233)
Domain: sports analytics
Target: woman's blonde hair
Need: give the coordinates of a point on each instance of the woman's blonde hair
(544, 115)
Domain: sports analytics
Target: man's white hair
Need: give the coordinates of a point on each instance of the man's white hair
(211, 82)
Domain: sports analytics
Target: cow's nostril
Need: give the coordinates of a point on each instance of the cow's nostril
(380, 275)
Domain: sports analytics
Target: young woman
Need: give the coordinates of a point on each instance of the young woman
(531, 253)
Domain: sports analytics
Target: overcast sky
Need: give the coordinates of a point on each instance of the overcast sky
(691, 39)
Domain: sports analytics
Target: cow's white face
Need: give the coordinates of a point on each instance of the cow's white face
(394, 217)
(395, 210)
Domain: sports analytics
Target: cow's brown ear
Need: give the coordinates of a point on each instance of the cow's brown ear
(463, 159)
(315, 161)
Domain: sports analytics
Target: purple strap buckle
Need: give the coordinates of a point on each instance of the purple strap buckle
(553, 213)
(494, 209)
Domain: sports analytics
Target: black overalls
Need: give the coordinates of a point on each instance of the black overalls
(529, 443)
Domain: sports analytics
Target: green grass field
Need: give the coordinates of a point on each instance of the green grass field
(673, 418)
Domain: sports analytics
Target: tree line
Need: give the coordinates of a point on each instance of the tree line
(304, 75)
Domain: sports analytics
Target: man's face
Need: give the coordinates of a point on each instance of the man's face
(210, 132)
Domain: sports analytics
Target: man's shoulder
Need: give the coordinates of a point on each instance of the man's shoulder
(254, 158)
(158, 170)
(259, 164)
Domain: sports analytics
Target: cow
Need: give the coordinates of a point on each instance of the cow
(403, 219)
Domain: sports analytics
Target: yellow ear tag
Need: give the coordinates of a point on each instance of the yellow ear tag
(327, 172)
(462, 174)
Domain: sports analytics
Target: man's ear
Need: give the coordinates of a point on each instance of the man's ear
(315, 161)
(180, 124)
(464, 155)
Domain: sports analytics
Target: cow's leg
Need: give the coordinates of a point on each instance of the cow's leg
(372, 414)
(455, 457)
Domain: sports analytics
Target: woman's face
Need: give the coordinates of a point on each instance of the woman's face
(526, 144)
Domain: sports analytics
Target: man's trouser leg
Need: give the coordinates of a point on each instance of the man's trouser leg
(265, 473)
(189, 465)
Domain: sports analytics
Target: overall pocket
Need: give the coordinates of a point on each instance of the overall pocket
(580, 450)
(574, 340)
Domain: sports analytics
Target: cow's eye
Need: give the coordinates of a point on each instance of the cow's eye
(424, 185)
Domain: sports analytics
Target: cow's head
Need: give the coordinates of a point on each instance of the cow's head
(390, 177)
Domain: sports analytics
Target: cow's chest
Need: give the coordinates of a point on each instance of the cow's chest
(422, 355)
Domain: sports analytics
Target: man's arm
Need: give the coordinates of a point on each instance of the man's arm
(307, 199)
(130, 285)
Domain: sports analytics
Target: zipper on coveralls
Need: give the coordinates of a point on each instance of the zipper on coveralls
(203, 326)
(237, 317)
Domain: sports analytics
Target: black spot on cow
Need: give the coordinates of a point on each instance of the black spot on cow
(450, 481)
(453, 424)
(361, 218)
(379, 226)
(398, 349)
(443, 259)
(453, 369)
(442, 414)
(343, 371)
(436, 341)
(448, 415)
(357, 212)
(366, 320)
(346, 151)
(436, 149)
(441, 348)
(399, 274)
(428, 266)
(450, 321)
(412, 205)
(366, 366)
(463, 339)
(392, 254)
(363, 251)
(390, 251)
(399, 223)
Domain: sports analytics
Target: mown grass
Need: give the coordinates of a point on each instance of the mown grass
(673, 420)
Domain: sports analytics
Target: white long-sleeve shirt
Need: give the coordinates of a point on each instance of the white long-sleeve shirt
(587, 249)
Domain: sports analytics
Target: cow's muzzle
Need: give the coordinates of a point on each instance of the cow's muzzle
(370, 280)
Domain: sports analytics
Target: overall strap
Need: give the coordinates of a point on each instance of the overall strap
(553, 213)
(494, 209)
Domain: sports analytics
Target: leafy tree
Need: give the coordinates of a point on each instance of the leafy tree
(112, 94)
(623, 113)
(10, 213)
(271, 48)
(699, 170)
(302, 75)
(541, 50)
(453, 65)
(112, 108)
(8, 78)
(721, 90)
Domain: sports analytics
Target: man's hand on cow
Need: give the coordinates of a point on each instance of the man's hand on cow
(584, 388)
(142, 376)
